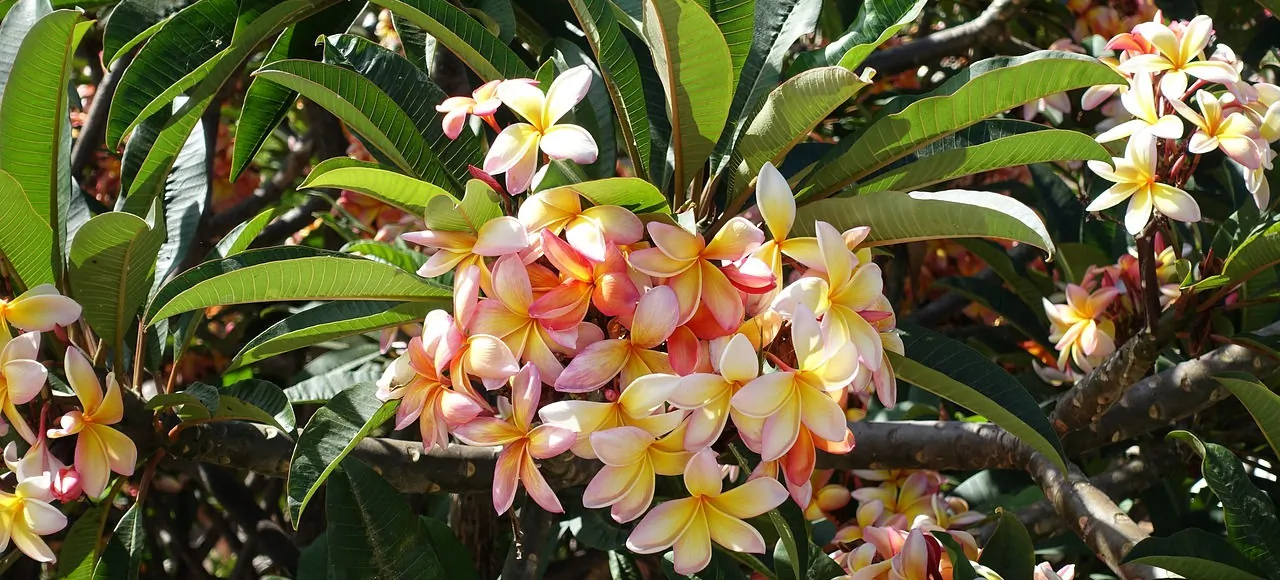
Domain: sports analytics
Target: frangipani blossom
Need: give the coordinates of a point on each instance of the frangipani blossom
(708, 395)
(632, 357)
(778, 210)
(100, 449)
(456, 251)
(515, 149)
(1082, 335)
(639, 405)
(1177, 56)
(424, 396)
(788, 399)
(688, 264)
(56, 480)
(21, 378)
(1134, 176)
(909, 498)
(467, 354)
(1044, 571)
(1233, 133)
(39, 309)
(24, 517)
(521, 444)
(689, 525)
(506, 315)
(604, 284)
(632, 458)
(483, 103)
(590, 231)
(1140, 101)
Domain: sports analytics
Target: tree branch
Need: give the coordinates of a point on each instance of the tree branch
(1094, 394)
(990, 27)
(94, 130)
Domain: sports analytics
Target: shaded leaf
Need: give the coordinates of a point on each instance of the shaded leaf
(25, 238)
(259, 401)
(877, 22)
(621, 73)
(1010, 552)
(477, 47)
(327, 322)
(113, 260)
(1194, 553)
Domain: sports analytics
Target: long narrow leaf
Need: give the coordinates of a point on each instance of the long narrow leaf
(621, 74)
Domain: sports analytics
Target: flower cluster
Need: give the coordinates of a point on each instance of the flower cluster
(640, 344)
(38, 477)
(1172, 84)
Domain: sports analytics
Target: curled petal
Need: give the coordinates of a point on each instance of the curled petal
(621, 446)
(662, 526)
(594, 366)
(702, 476)
(569, 142)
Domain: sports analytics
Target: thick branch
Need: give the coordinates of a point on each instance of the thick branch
(988, 28)
(1094, 394)
(94, 130)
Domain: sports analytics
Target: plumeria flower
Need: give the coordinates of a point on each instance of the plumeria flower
(1140, 101)
(632, 458)
(778, 210)
(521, 444)
(639, 405)
(24, 517)
(791, 398)
(1234, 134)
(1255, 180)
(424, 396)
(605, 284)
(1044, 571)
(39, 309)
(506, 315)
(590, 231)
(61, 482)
(797, 464)
(1134, 176)
(100, 449)
(515, 149)
(632, 357)
(1177, 56)
(689, 525)
(708, 394)
(1081, 333)
(456, 251)
(464, 353)
(908, 498)
(483, 103)
(869, 513)
(21, 378)
(689, 266)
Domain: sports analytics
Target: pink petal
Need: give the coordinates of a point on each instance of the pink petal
(674, 241)
(569, 142)
(24, 379)
(506, 476)
(736, 239)
(781, 430)
(702, 476)
(654, 262)
(621, 446)
(594, 366)
(565, 93)
(609, 485)
(501, 236)
(546, 441)
(662, 526)
(488, 432)
(619, 225)
(656, 317)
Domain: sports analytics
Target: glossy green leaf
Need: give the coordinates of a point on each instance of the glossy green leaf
(373, 180)
(1010, 551)
(1262, 404)
(397, 254)
(621, 73)
(113, 261)
(35, 139)
(321, 388)
(1194, 553)
(789, 114)
(361, 105)
(449, 551)
(962, 568)
(132, 22)
(17, 22)
(332, 433)
(985, 88)
(477, 47)
(959, 155)
(79, 553)
(327, 322)
(289, 273)
(373, 533)
(25, 238)
(192, 38)
(696, 69)
(1012, 310)
(895, 217)
(258, 401)
(1257, 253)
(239, 239)
(1250, 514)
(632, 193)
(736, 21)
(877, 22)
(131, 536)
(479, 205)
(265, 102)
(960, 374)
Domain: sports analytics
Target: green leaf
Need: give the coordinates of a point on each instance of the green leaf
(373, 533)
(132, 22)
(1194, 553)
(696, 69)
(788, 115)
(1256, 254)
(895, 217)
(25, 238)
(398, 254)
(793, 544)
(960, 374)
(258, 401)
(961, 567)
(289, 273)
(621, 73)
(265, 102)
(239, 239)
(131, 535)
(985, 88)
(79, 553)
(113, 260)
(327, 322)
(736, 21)
(980, 148)
(321, 388)
(360, 104)
(454, 558)
(1006, 304)
(380, 183)
(17, 22)
(190, 404)
(634, 194)
(331, 434)
(878, 21)
(35, 139)
(1250, 515)
(1010, 551)
(476, 46)
(190, 40)
(1262, 404)
(479, 205)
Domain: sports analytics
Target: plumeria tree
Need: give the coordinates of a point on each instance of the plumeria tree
(637, 289)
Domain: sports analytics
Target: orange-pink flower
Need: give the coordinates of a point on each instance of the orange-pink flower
(413, 379)
(483, 103)
(632, 458)
(506, 315)
(455, 251)
(632, 357)
(521, 444)
(100, 449)
(590, 231)
(605, 284)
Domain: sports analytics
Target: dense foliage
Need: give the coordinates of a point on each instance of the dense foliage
(638, 289)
